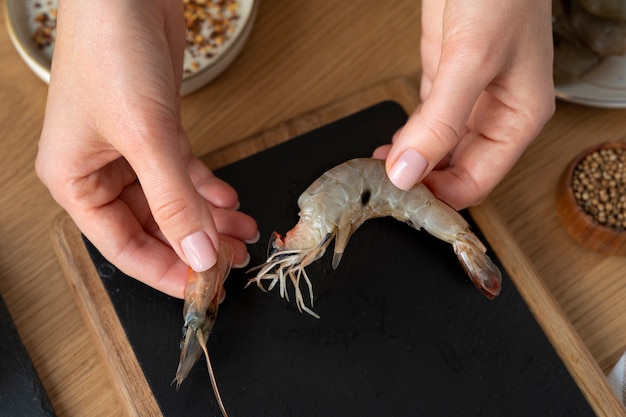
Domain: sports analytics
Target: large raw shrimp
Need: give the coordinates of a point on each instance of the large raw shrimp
(203, 293)
(341, 200)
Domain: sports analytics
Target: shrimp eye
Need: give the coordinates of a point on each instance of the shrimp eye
(275, 243)
(365, 197)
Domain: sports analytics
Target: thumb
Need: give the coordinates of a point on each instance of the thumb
(437, 125)
(182, 214)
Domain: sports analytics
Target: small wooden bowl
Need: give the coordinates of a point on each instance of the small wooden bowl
(582, 226)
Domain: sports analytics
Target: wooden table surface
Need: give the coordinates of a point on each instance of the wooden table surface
(300, 56)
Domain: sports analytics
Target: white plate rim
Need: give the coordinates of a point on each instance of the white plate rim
(605, 86)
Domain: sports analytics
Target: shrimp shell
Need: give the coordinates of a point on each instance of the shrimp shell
(203, 293)
(336, 204)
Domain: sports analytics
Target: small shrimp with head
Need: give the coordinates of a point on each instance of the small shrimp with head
(204, 292)
(336, 204)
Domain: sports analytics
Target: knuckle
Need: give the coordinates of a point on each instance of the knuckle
(547, 109)
(542, 109)
(66, 191)
(172, 214)
(535, 117)
(44, 171)
(444, 134)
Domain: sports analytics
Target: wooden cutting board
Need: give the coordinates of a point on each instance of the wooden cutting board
(402, 330)
(21, 390)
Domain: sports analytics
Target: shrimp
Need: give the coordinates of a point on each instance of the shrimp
(336, 204)
(203, 293)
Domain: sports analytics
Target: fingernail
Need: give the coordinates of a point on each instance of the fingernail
(199, 251)
(255, 239)
(408, 169)
(244, 263)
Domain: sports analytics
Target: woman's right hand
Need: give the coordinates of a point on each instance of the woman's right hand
(112, 150)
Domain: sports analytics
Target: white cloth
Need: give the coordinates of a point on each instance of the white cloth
(617, 378)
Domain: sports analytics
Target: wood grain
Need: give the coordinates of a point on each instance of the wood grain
(399, 89)
(590, 287)
(300, 57)
(548, 313)
(102, 321)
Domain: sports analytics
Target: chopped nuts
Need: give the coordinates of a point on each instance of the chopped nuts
(209, 25)
(599, 186)
(46, 26)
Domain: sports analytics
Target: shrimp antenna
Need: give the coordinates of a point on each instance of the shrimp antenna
(218, 397)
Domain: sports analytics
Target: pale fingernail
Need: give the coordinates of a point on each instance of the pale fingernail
(255, 239)
(395, 135)
(244, 263)
(408, 169)
(199, 251)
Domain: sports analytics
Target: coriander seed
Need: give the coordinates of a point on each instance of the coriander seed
(599, 187)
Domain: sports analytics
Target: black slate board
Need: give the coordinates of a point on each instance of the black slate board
(402, 332)
(21, 391)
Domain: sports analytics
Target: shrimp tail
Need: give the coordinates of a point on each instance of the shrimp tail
(482, 271)
(191, 347)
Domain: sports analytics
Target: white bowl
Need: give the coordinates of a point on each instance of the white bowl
(20, 16)
(21, 24)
